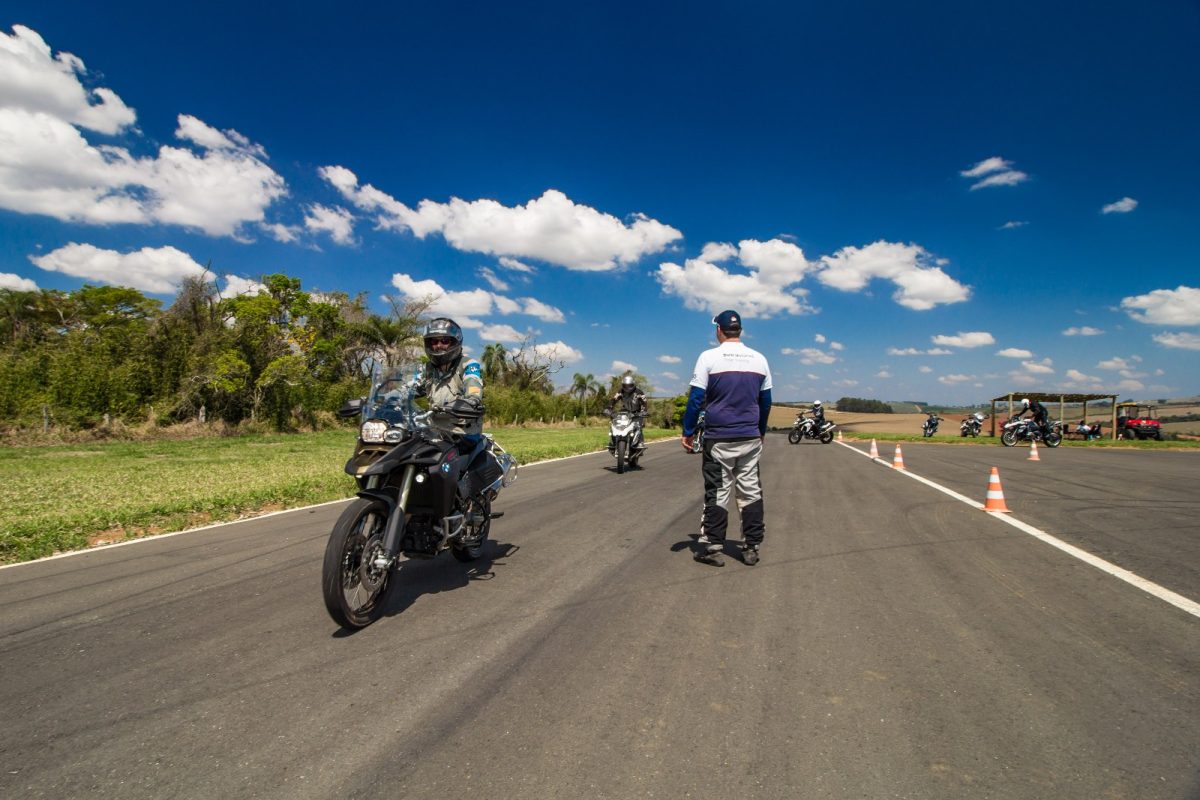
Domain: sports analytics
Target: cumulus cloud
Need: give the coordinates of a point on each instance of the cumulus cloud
(500, 333)
(550, 228)
(1116, 362)
(1122, 206)
(951, 380)
(819, 338)
(493, 279)
(236, 286)
(967, 340)
(556, 352)
(837, 346)
(1180, 306)
(912, 351)
(1082, 331)
(766, 289)
(1013, 224)
(670, 359)
(337, 222)
(1182, 341)
(921, 284)
(281, 233)
(810, 355)
(883, 373)
(1014, 352)
(466, 306)
(924, 370)
(16, 283)
(516, 266)
(620, 367)
(1043, 367)
(155, 270)
(994, 171)
(671, 375)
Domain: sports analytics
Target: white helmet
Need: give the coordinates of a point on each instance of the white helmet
(816, 403)
(1025, 404)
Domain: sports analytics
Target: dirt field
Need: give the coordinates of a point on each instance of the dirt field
(782, 417)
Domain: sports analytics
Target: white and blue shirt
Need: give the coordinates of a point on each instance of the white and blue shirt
(733, 384)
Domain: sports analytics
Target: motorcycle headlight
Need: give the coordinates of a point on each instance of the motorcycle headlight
(373, 430)
(394, 435)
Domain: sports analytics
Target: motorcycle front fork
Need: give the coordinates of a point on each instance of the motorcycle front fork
(395, 522)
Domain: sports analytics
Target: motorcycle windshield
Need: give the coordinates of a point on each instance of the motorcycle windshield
(392, 394)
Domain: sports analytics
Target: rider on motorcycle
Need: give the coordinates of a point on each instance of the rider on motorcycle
(1038, 412)
(449, 377)
(629, 397)
(932, 420)
(818, 414)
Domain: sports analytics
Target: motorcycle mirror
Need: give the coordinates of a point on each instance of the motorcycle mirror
(352, 408)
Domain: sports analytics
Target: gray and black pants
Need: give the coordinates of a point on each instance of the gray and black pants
(730, 466)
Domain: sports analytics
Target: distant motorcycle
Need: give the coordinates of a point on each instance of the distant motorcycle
(1020, 429)
(625, 440)
(931, 425)
(806, 428)
(698, 436)
(972, 425)
(419, 492)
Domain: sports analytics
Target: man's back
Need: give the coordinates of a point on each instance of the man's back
(733, 376)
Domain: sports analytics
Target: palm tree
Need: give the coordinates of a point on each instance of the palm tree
(582, 385)
(494, 361)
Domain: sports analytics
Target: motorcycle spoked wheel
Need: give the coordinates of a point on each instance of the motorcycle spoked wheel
(469, 550)
(794, 436)
(1008, 438)
(622, 452)
(355, 590)
(826, 437)
(1053, 439)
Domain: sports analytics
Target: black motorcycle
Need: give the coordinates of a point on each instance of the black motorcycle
(807, 428)
(421, 491)
(931, 425)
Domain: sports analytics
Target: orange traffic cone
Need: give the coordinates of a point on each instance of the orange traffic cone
(995, 495)
(898, 461)
(1033, 456)
(839, 436)
(874, 450)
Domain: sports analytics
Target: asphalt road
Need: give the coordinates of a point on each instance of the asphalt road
(893, 643)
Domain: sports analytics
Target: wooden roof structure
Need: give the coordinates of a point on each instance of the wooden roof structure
(1062, 398)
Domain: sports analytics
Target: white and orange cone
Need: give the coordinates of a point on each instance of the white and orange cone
(898, 460)
(874, 450)
(839, 436)
(1033, 456)
(995, 495)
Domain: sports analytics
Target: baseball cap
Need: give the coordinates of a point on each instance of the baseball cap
(728, 321)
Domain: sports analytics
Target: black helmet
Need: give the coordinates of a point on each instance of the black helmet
(443, 328)
(627, 384)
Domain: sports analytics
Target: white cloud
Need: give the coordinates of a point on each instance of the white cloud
(764, 291)
(998, 170)
(235, 286)
(1082, 331)
(810, 355)
(1013, 224)
(16, 283)
(1179, 306)
(1122, 206)
(968, 340)
(812, 377)
(1181, 340)
(516, 266)
(500, 333)
(281, 233)
(986, 167)
(912, 351)
(158, 271)
(819, 338)
(1116, 362)
(551, 228)
(337, 222)
(619, 367)
(883, 373)
(670, 360)
(493, 279)
(1043, 367)
(671, 375)
(466, 306)
(35, 81)
(1014, 352)
(1080, 380)
(1010, 178)
(951, 380)
(536, 308)
(837, 346)
(924, 370)
(558, 351)
(921, 283)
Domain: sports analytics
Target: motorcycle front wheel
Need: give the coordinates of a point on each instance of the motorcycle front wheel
(1008, 438)
(622, 452)
(354, 589)
(794, 436)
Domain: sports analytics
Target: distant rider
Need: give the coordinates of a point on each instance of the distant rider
(629, 397)
(449, 377)
(1038, 412)
(931, 422)
(818, 414)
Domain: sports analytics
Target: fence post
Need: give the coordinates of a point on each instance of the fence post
(45, 418)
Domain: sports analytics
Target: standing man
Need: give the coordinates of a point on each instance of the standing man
(733, 384)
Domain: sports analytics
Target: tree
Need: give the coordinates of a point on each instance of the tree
(495, 362)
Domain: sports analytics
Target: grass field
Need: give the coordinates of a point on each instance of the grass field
(54, 499)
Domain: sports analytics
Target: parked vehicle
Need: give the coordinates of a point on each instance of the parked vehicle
(625, 440)
(930, 426)
(1024, 429)
(419, 492)
(806, 428)
(698, 437)
(972, 425)
(1138, 421)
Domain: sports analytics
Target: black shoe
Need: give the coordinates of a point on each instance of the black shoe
(710, 556)
(750, 555)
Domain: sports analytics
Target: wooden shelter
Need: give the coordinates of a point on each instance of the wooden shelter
(1062, 398)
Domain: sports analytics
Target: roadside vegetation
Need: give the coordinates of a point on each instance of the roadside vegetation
(69, 497)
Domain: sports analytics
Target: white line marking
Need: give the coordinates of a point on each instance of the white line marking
(1133, 579)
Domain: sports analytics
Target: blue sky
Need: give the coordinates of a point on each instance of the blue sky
(936, 201)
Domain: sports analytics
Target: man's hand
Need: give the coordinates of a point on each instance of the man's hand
(687, 443)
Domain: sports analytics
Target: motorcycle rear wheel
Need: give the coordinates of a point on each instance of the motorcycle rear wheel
(1053, 439)
(826, 437)
(622, 449)
(794, 436)
(353, 589)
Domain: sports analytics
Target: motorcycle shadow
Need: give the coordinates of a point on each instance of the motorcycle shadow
(419, 577)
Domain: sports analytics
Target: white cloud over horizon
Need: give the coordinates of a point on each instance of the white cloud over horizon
(1179, 306)
(155, 270)
(550, 228)
(921, 284)
(767, 288)
(466, 306)
(16, 283)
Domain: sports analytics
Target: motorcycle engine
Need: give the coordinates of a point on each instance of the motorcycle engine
(420, 539)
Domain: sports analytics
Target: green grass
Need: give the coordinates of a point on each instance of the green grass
(55, 499)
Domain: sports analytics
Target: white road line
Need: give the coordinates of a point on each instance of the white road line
(1177, 600)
